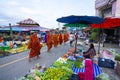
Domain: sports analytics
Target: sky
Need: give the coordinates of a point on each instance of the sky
(44, 12)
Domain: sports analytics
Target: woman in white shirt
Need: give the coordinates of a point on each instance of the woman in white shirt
(72, 37)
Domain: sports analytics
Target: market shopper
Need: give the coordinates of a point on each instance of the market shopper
(49, 41)
(72, 38)
(90, 53)
(104, 38)
(34, 46)
(45, 38)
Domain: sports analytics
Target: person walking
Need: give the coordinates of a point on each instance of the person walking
(55, 39)
(66, 37)
(104, 38)
(60, 38)
(34, 46)
(72, 38)
(49, 41)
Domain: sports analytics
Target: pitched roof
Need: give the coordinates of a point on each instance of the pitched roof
(28, 22)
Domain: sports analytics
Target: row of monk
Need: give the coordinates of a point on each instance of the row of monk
(51, 39)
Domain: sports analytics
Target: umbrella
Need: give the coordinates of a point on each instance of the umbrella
(82, 20)
(75, 25)
(108, 23)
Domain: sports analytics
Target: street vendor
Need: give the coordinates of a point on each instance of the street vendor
(90, 53)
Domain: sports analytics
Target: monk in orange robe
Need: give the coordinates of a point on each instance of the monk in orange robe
(60, 38)
(49, 41)
(55, 39)
(66, 37)
(1, 40)
(34, 46)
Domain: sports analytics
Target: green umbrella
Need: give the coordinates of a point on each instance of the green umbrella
(76, 25)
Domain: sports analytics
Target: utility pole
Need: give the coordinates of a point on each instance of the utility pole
(10, 30)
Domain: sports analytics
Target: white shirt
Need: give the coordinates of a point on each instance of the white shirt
(71, 37)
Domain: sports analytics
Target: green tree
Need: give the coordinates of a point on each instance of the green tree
(94, 34)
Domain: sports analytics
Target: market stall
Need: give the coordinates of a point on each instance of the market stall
(64, 68)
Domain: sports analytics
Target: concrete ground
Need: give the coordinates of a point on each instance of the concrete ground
(111, 72)
(16, 66)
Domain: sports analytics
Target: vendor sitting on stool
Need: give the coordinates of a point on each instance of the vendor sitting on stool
(90, 53)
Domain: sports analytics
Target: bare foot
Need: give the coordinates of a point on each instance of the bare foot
(38, 57)
(48, 50)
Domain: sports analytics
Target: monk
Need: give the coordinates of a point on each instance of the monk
(66, 37)
(1, 40)
(60, 38)
(49, 41)
(55, 39)
(34, 46)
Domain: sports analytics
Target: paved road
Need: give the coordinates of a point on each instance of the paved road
(15, 66)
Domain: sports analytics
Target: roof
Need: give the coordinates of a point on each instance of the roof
(26, 28)
(28, 22)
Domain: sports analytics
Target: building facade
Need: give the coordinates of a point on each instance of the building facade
(109, 8)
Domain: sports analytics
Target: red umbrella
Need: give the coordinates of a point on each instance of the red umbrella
(108, 23)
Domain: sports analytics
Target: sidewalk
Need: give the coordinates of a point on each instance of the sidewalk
(111, 72)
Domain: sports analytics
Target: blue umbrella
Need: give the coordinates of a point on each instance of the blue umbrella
(82, 20)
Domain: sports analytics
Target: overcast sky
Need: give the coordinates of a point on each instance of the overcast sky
(45, 12)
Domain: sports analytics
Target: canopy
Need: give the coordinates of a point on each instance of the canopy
(81, 19)
(108, 23)
(76, 25)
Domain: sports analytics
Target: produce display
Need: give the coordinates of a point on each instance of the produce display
(36, 73)
(61, 69)
(54, 74)
(19, 49)
(78, 64)
(103, 76)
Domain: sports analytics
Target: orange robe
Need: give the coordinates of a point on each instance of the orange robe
(49, 41)
(34, 46)
(55, 40)
(66, 37)
(60, 39)
(1, 40)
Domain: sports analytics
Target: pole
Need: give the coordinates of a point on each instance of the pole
(10, 30)
(99, 40)
(76, 37)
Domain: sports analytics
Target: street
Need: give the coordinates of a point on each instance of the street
(16, 66)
